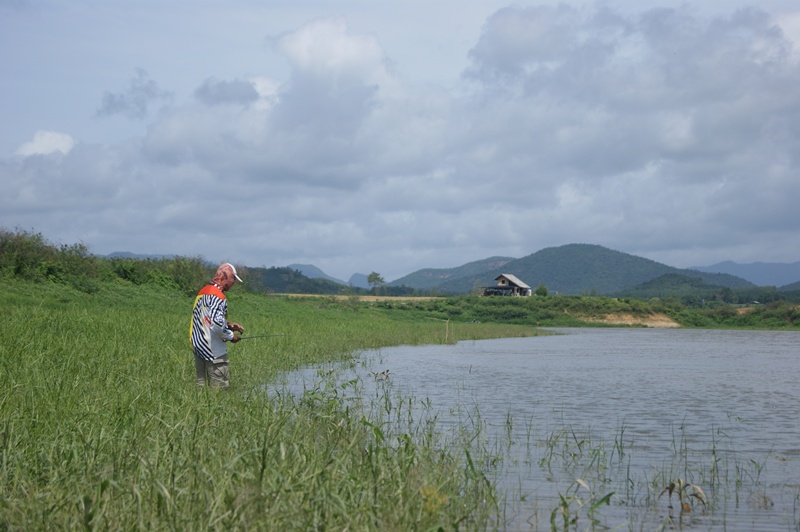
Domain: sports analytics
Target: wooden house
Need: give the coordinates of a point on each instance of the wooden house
(508, 285)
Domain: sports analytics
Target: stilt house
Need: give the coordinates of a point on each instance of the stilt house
(508, 285)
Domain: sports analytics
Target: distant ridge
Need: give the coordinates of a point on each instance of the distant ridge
(676, 285)
(435, 277)
(359, 280)
(759, 273)
(569, 269)
(129, 255)
(312, 272)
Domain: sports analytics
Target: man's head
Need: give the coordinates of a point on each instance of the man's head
(225, 276)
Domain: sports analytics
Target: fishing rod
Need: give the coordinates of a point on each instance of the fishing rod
(260, 336)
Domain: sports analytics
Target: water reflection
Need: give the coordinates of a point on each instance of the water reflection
(625, 411)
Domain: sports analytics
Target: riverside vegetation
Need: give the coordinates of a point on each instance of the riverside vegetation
(102, 426)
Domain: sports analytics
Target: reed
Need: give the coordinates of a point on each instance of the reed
(103, 428)
(589, 479)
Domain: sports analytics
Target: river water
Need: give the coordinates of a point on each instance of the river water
(611, 417)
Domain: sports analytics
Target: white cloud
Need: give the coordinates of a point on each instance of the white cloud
(47, 142)
(325, 48)
(790, 24)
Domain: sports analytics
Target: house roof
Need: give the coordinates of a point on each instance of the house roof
(513, 279)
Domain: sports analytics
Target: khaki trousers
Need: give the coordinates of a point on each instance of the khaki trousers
(215, 373)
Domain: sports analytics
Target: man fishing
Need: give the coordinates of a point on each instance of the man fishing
(210, 329)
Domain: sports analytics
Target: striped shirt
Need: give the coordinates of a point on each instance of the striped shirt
(209, 329)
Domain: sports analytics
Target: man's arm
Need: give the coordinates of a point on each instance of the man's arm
(220, 326)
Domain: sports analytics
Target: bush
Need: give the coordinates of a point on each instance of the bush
(30, 257)
(24, 255)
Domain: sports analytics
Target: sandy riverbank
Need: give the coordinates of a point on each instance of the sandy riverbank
(659, 321)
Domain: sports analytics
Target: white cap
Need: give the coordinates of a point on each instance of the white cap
(234, 272)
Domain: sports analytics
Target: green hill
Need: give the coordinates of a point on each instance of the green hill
(312, 272)
(429, 278)
(289, 281)
(581, 269)
(672, 284)
(694, 291)
(790, 287)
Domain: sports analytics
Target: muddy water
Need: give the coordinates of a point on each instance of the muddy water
(591, 412)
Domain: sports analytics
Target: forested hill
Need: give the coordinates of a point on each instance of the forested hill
(312, 272)
(579, 269)
(429, 278)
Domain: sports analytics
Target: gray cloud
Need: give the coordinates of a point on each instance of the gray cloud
(661, 132)
(663, 87)
(216, 92)
(136, 100)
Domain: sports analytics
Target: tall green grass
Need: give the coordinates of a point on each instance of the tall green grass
(103, 428)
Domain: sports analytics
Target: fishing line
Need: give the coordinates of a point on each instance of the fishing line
(260, 336)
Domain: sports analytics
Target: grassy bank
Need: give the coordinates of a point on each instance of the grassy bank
(582, 311)
(102, 426)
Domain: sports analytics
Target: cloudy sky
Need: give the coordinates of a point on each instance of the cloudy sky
(391, 136)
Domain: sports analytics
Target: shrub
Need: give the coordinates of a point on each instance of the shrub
(29, 256)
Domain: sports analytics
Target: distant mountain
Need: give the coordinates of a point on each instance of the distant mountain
(289, 280)
(577, 269)
(790, 287)
(673, 284)
(568, 269)
(359, 280)
(129, 255)
(759, 273)
(312, 272)
(435, 277)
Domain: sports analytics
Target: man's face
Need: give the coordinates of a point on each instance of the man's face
(227, 284)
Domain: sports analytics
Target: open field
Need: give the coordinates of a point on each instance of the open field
(103, 428)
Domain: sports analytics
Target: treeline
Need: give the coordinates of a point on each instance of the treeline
(696, 292)
(580, 311)
(30, 256)
(289, 281)
(552, 311)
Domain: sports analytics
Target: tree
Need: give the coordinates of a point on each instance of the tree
(541, 290)
(375, 281)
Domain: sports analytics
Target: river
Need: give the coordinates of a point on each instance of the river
(609, 418)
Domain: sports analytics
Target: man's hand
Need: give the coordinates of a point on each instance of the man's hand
(235, 327)
(235, 338)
